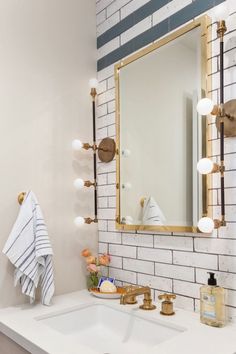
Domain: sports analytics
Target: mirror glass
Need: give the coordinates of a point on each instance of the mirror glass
(161, 136)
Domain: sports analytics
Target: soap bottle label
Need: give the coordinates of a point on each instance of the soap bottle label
(209, 302)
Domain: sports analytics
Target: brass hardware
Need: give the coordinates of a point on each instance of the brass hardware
(89, 220)
(221, 29)
(93, 93)
(217, 168)
(89, 184)
(229, 118)
(203, 23)
(147, 301)
(131, 299)
(107, 150)
(167, 304)
(219, 223)
(87, 146)
(142, 201)
(21, 197)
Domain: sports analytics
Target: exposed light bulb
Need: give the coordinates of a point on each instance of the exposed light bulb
(128, 220)
(77, 144)
(221, 12)
(93, 83)
(205, 166)
(126, 153)
(206, 225)
(127, 185)
(79, 221)
(205, 106)
(79, 183)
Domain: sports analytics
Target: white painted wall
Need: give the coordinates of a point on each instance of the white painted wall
(47, 57)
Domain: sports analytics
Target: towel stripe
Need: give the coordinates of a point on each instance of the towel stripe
(19, 234)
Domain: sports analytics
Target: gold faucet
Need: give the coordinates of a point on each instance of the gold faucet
(131, 294)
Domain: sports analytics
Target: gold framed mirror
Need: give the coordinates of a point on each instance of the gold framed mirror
(160, 137)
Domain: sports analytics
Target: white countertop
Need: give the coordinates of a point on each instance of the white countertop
(20, 324)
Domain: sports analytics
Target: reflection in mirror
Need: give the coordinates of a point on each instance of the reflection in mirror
(161, 135)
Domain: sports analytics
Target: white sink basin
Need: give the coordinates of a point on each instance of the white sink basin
(109, 330)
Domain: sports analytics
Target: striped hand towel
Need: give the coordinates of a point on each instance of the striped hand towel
(152, 214)
(29, 250)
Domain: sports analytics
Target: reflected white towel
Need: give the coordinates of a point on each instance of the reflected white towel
(152, 214)
(29, 250)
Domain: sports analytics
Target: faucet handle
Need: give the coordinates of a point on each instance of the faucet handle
(167, 304)
(167, 297)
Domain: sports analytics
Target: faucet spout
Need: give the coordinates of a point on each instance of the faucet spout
(147, 301)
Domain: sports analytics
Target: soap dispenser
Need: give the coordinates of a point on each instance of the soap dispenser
(212, 303)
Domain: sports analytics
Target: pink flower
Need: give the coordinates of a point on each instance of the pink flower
(92, 268)
(86, 253)
(104, 259)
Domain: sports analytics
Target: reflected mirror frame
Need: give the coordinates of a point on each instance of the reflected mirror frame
(204, 22)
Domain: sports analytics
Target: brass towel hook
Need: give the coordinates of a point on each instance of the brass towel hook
(21, 197)
(142, 201)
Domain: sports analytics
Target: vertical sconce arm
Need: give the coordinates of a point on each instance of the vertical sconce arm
(221, 31)
(93, 94)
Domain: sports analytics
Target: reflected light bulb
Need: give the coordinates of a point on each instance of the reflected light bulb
(79, 183)
(93, 83)
(77, 144)
(221, 12)
(205, 166)
(205, 106)
(128, 220)
(126, 185)
(126, 153)
(206, 225)
(79, 221)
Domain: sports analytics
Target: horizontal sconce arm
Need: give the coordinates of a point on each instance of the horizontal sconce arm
(90, 221)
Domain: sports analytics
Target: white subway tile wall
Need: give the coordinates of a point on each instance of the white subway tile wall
(168, 262)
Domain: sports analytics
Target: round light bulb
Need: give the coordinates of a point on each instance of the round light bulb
(77, 144)
(205, 166)
(128, 220)
(221, 12)
(206, 225)
(205, 106)
(126, 153)
(93, 83)
(79, 221)
(79, 183)
(126, 185)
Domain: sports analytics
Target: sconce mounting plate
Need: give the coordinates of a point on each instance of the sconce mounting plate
(229, 120)
(107, 150)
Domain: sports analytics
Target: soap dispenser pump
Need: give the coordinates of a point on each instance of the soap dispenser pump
(212, 303)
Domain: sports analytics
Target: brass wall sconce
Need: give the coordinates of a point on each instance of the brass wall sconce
(226, 125)
(106, 151)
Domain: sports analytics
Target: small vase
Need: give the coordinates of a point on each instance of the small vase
(92, 280)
